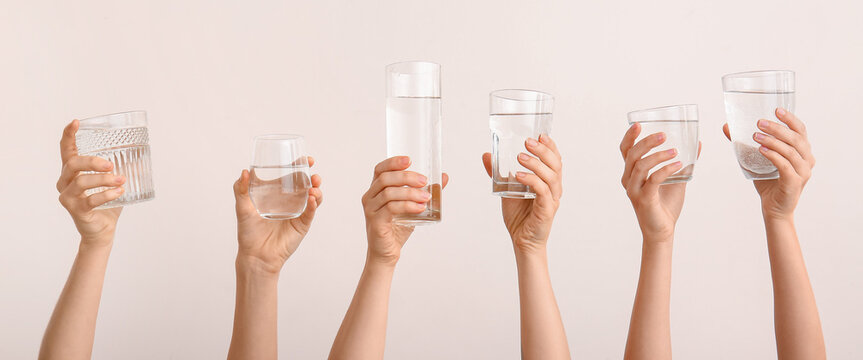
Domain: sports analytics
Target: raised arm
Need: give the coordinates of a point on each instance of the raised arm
(529, 224)
(796, 321)
(393, 191)
(72, 327)
(657, 208)
(264, 246)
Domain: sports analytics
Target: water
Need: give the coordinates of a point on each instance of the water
(413, 129)
(280, 192)
(681, 135)
(128, 150)
(743, 111)
(509, 133)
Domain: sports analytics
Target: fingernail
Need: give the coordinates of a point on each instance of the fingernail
(423, 179)
(419, 205)
(763, 150)
(780, 111)
(531, 142)
(405, 160)
(543, 138)
(660, 137)
(107, 166)
(427, 195)
(119, 179)
(672, 151)
(677, 163)
(119, 190)
(520, 174)
(523, 157)
(763, 124)
(758, 136)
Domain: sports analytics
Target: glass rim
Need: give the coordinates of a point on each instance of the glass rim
(684, 107)
(425, 67)
(757, 73)
(90, 119)
(277, 137)
(543, 96)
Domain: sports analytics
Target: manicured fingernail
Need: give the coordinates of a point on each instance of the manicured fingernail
(763, 124)
(763, 150)
(531, 142)
(423, 179)
(780, 111)
(520, 174)
(543, 138)
(119, 179)
(405, 160)
(671, 151)
(677, 163)
(419, 206)
(427, 195)
(119, 190)
(660, 137)
(523, 157)
(107, 166)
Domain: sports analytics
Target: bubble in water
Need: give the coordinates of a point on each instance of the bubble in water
(751, 159)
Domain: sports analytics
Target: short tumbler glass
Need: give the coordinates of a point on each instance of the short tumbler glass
(123, 140)
(680, 125)
(279, 176)
(515, 115)
(750, 96)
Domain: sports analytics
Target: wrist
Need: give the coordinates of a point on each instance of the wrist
(658, 239)
(254, 266)
(536, 253)
(374, 261)
(774, 217)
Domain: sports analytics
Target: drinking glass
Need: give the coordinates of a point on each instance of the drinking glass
(680, 125)
(413, 129)
(515, 115)
(279, 176)
(750, 96)
(123, 140)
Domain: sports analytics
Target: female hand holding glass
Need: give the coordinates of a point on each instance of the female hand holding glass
(266, 243)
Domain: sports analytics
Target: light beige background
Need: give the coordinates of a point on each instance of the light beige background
(212, 74)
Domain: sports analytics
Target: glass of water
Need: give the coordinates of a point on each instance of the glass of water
(279, 176)
(680, 125)
(515, 115)
(123, 140)
(413, 129)
(750, 96)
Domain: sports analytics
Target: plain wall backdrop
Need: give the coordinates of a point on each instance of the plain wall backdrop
(212, 74)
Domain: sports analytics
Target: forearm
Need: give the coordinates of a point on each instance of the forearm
(363, 331)
(72, 327)
(542, 332)
(650, 327)
(797, 325)
(255, 313)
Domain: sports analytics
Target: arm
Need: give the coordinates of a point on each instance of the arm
(657, 208)
(72, 327)
(393, 191)
(264, 246)
(796, 321)
(529, 224)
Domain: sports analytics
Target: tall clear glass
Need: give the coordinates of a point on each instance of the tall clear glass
(414, 126)
(680, 125)
(123, 140)
(280, 181)
(515, 115)
(750, 96)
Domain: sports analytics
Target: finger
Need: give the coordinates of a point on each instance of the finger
(699, 151)
(396, 178)
(444, 180)
(629, 139)
(394, 163)
(800, 165)
(795, 139)
(103, 197)
(656, 179)
(241, 186)
(83, 182)
(786, 170)
(68, 148)
(791, 120)
(486, 162)
(636, 152)
(315, 190)
(308, 214)
(548, 176)
(642, 167)
(544, 197)
(545, 154)
(311, 161)
(76, 164)
(726, 132)
(394, 208)
(547, 141)
(395, 194)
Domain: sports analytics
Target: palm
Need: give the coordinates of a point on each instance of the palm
(96, 223)
(520, 219)
(665, 207)
(388, 238)
(270, 239)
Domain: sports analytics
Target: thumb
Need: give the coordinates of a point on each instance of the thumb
(444, 180)
(725, 131)
(486, 161)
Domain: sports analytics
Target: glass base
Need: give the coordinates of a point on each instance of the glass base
(280, 216)
(127, 201)
(681, 176)
(418, 221)
(515, 194)
(756, 176)
(512, 190)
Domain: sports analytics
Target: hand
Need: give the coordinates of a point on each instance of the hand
(266, 244)
(95, 226)
(393, 192)
(529, 221)
(656, 206)
(789, 150)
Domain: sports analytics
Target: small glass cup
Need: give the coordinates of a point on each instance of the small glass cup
(515, 115)
(414, 129)
(279, 176)
(680, 125)
(750, 96)
(123, 140)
